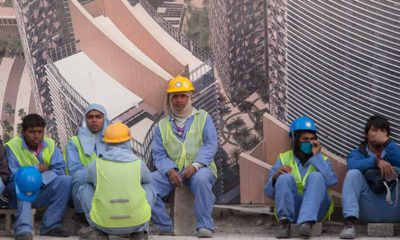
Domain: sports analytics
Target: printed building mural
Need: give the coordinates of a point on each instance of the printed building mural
(256, 66)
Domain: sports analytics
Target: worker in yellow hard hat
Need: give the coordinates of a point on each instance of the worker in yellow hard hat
(118, 197)
(183, 149)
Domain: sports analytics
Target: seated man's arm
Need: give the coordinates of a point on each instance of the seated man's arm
(145, 175)
(208, 150)
(13, 163)
(357, 160)
(269, 188)
(160, 157)
(56, 168)
(73, 161)
(325, 168)
(392, 153)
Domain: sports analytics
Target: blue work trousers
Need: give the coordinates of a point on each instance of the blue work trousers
(78, 179)
(358, 200)
(53, 196)
(200, 185)
(311, 206)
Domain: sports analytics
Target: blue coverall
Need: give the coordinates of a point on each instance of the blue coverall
(200, 184)
(90, 143)
(315, 201)
(358, 200)
(54, 193)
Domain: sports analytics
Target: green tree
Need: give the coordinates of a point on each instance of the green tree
(8, 109)
(7, 127)
(21, 113)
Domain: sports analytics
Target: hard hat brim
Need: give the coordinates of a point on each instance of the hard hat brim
(21, 196)
(178, 91)
(121, 140)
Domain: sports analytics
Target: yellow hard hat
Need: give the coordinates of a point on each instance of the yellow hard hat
(180, 84)
(117, 133)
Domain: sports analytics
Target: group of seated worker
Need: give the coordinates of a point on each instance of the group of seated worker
(299, 180)
(110, 188)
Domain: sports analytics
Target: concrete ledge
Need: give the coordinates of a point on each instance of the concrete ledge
(182, 211)
(8, 229)
(380, 229)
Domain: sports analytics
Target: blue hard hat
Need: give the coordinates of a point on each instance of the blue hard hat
(302, 123)
(28, 181)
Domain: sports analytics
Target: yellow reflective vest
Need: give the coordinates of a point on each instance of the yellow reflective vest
(119, 200)
(25, 157)
(184, 153)
(288, 159)
(83, 157)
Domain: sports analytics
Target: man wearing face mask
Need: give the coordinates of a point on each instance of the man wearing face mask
(183, 150)
(299, 181)
(85, 147)
(359, 199)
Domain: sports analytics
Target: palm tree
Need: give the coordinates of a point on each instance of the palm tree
(235, 154)
(235, 123)
(245, 106)
(263, 92)
(224, 110)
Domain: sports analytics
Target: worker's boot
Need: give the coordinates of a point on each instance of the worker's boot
(348, 231)
(305, 229)
(283, 229)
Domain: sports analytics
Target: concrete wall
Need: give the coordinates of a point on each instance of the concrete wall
(116, 61)
(254, 166)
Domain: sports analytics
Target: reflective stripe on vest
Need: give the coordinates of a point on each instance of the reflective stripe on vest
(184, 153)
(288, 159)
(119, 200)
(25, 157)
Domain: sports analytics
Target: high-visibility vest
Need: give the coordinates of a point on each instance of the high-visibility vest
(25, 157)
(184, 153)
(288, 159)
(83, 157)
(119, 200)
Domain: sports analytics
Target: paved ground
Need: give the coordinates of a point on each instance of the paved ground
(232, 225)
(219, 237)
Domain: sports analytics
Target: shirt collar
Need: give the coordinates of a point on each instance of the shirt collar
(372, 154)
(24, 145)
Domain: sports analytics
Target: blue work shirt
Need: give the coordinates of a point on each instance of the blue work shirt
(206, 152)
(321, 165)
(362, 158)
(56, 167)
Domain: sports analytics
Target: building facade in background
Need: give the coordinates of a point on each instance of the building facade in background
(44, 26)
(238, 39)
(343, 65)
(337, 62)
